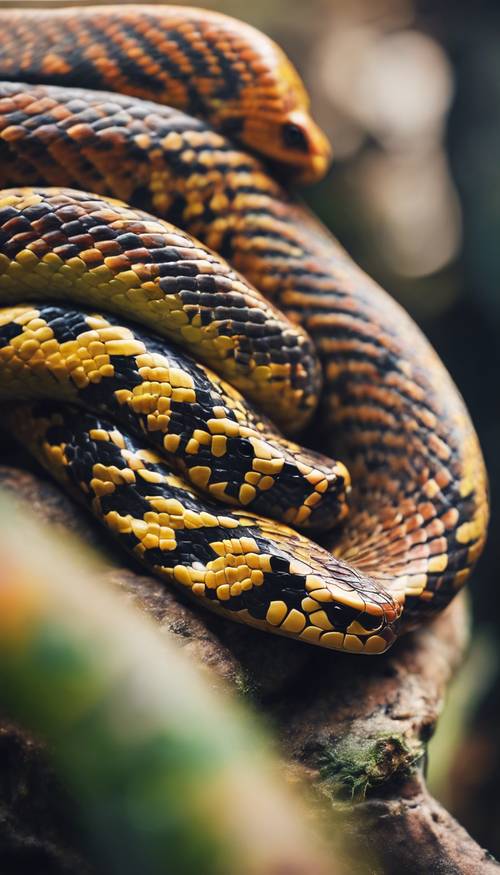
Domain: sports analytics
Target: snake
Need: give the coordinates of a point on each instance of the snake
(199, 123)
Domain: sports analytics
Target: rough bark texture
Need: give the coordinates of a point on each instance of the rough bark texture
(355, 728)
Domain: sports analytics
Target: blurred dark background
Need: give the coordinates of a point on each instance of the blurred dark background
(409, 94)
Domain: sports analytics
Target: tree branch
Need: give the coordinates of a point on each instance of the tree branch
(355, 728)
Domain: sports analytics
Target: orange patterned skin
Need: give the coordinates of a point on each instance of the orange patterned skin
(197, 60)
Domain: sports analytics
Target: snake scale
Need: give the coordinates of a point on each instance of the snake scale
(412, 523)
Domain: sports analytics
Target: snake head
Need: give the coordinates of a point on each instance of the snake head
(296, 142)
(271, 114)
(292, 140)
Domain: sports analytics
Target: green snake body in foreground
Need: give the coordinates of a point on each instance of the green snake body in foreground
(389, 409)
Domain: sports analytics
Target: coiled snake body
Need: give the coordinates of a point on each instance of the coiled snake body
(418, 505)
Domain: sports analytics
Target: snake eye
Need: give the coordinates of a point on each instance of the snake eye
(294, 137)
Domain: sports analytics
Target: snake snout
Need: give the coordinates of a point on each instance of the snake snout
(363, 616)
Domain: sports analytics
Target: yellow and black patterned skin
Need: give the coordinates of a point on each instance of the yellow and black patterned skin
(201, 61)
(237, 563)
(389, 410)
(203, 426)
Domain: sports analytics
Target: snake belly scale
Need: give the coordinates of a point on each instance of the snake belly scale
(418, 506)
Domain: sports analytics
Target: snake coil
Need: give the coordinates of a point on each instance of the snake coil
(418, 508)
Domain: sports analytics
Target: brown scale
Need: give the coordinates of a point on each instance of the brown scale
(420, 505)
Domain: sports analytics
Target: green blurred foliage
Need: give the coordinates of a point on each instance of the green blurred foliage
(167, 773)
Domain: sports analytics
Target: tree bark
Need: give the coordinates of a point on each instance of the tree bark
(355, 728)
